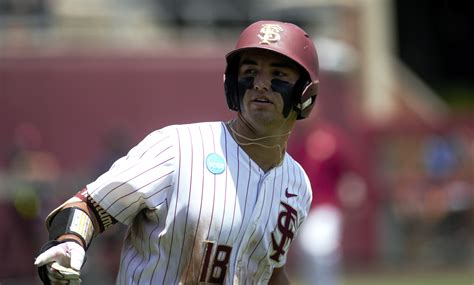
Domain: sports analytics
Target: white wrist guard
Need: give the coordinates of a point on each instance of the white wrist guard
(74, 221)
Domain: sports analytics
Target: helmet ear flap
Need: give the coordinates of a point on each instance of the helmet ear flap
(307, 99)
(231, 85)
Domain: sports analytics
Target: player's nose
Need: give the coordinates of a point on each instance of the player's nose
(262, 82)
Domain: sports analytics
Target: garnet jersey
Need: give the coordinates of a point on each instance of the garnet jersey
(200, 210)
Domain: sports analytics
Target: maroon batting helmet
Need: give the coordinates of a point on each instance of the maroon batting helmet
(285, 39)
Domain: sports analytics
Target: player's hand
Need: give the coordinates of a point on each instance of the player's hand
(63, 263)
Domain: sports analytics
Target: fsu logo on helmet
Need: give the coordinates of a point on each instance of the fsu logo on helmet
(270, 33)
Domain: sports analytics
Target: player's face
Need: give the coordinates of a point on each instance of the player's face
(261, 104)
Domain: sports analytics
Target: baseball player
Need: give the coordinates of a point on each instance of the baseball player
(213, 202)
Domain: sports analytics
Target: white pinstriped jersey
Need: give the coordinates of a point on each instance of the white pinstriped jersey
(200, 210)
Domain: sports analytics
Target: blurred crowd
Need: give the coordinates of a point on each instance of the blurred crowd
(429, 202)
(32, 184)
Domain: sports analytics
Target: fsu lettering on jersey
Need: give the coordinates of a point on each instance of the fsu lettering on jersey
(286, 227)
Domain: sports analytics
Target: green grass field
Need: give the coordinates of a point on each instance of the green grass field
(412, 278)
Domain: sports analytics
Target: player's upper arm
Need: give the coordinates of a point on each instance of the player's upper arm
(141, 179)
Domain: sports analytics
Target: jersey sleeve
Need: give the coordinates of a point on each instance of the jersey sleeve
(306, 200)
(139, 180)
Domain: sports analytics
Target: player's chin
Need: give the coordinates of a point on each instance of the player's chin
(263, 109)
(267, 119)
(262, 114)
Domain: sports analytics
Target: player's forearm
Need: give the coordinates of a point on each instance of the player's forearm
(72, 221)
(88, 211)
(80, 218)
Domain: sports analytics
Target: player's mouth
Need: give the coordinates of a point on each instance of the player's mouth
(262, 100)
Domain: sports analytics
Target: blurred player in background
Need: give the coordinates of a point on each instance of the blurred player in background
(213, 202)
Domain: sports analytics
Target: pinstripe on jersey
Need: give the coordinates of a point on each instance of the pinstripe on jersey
(184, 218)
